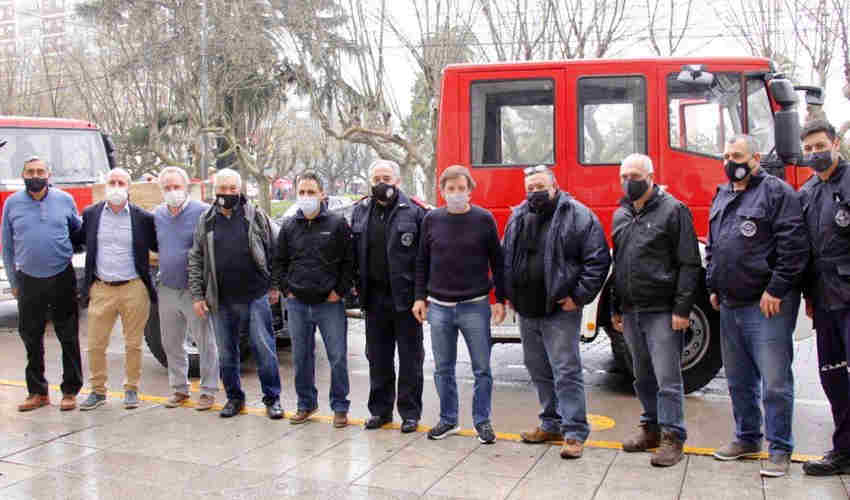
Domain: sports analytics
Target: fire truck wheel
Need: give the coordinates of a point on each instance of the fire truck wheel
(153, 337)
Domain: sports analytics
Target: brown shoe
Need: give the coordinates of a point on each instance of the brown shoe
(572, 448)
(301, 416)
(648, 437)
(34, 401)
(69, 402)
(670, 452)
(340, 419)
(176, 399)
(205, 402)
(538, 435)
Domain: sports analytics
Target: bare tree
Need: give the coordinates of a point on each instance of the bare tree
(667, 24)
(816, 26)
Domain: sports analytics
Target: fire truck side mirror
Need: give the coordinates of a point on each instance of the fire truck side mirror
(814, 95)
(786, 120)
(109, 146)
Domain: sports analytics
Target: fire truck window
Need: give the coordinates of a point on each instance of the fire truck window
(74, 156)
(759, 114)
(701, 117)
(512, 122)
(612, 114)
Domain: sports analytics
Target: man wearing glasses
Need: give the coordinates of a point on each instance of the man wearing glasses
(556, 261)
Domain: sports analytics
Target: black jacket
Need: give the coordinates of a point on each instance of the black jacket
(826, 209)
(575, 259)
(656, 256)
(757, 241)
(403, 230)
(314, 257)
(144, 241)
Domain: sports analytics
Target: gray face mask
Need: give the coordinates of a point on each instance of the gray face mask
(456, 202)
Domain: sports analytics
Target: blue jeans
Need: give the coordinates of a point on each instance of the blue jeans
(757, 356)
(473, 321)
(229, 321)
(329, 317)
(550, 348)
(656, 352)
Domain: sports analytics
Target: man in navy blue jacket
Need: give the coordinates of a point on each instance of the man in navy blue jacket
(118, 236)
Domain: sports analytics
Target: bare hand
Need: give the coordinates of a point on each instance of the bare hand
(201, 308)
(770, 305)
(420, 310)
(333, 297)
(810, 309)
(274, 296)
(617, 322)
(715, 301)
(680, 323)
(15, 292)
(290, 296)
(567, 304)
(497, 311)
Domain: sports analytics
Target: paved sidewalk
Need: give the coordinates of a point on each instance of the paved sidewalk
(154, 452)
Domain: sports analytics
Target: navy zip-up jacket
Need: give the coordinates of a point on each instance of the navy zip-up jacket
(757, 241)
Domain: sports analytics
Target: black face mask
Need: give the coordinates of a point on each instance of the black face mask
(384, 192)
(821, 161)
(227, 201)
(736, 171)
(634, 189)
(35, 184)
(539, 202)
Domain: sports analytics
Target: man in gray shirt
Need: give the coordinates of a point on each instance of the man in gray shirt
(175, 221)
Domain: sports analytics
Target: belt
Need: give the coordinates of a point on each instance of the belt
(113, 283)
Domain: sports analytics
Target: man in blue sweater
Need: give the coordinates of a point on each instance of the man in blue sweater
(38, 224)
(176, 220)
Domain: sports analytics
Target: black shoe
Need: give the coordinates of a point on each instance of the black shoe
(232, 408)
(409, 425)
(274, 411)
(443, 430)
(485, 433)
(831, 464)
(377, 422)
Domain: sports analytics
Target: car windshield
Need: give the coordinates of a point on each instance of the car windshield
(74, 156)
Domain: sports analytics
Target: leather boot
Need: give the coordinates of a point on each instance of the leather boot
(648, 437)
(670, 452)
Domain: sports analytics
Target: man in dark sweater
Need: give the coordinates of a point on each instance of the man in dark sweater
(556, 260)
(230, 275)
(314, 269)
(458, 249)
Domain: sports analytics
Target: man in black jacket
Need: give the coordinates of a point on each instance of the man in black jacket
(656, 274)
(756, 253)
(118, 236)
(386, 238)
(826, 209)
(556, 261)
(314, 269)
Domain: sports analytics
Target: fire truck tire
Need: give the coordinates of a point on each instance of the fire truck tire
(701, 356)
(153, 337)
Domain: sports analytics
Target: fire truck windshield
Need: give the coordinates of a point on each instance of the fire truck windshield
(74, 156)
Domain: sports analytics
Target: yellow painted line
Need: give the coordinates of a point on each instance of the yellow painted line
(504, 436)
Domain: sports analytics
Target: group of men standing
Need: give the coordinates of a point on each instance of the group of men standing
(221, 267)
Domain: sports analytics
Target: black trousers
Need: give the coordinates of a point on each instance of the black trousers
(385, 329)
(58, 294)
(833, 336)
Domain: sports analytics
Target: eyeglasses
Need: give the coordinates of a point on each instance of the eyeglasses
(535, 170)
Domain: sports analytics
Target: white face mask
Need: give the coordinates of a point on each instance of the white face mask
(456, 202)
(116, 195)
(308, 204)
(174, 198)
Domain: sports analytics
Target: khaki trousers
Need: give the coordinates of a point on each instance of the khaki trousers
(130, 301)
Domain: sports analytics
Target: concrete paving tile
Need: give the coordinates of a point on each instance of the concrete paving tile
(502, 459)
(573, 487)
(711, 466)
(12, 473)
(635, 472)
(269, 459)
(32, 429)
(364, 450)
(103, 488)
(631, 493)
(798, 485)
(368, 493)
(221, 480)
(706, 483)
(330, 469)
(102, 436)
(591, 466)
(9, 445)
(401, 478)
(427, 457)
(51, 485)
(51, 454)
(473, 486)
(125, 466)
(301, 445)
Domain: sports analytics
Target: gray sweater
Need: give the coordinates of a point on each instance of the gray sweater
(174, 235)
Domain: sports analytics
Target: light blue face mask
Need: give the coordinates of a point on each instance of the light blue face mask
(456, 202)
(308, 204)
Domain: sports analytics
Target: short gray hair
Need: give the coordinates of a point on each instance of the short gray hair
(34, 158)
(752, 143)
(227, 173)
(121, 171)
(645, 161)
(173, 170)
(380, 162)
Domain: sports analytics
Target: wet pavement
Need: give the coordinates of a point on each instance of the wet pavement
(153, 452)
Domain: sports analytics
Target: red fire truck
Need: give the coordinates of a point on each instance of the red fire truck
(582, 117)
